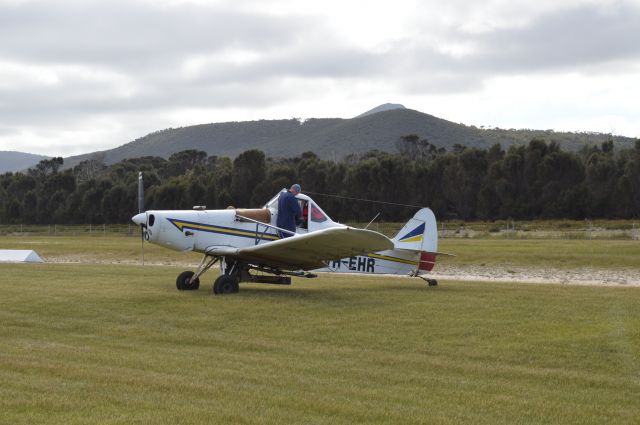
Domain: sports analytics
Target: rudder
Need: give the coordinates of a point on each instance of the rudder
(419, 234)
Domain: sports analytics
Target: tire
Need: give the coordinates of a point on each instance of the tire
(184, 282)
(225, 284)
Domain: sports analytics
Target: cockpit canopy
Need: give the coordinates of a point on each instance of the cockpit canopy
(311, 212)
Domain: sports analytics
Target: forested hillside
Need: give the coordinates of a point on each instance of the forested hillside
(331, 138)
(538, 180)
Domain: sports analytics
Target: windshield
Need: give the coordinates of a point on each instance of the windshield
(273, 202)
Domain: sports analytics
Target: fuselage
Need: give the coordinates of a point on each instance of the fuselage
(198, 230)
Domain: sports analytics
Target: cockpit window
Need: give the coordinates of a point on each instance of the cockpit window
(317, 216)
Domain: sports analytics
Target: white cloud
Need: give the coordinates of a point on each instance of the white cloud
(79, 76)
(568, 102)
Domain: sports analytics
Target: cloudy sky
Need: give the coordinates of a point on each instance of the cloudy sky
(80, 76)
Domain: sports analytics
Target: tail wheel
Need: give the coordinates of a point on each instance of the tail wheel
(184, 282)
(225, 284)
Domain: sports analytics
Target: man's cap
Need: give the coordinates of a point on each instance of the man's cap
(296, 187)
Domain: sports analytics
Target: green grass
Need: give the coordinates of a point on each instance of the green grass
(114, 344)
(532, 229)
(527, 229)
(98, 248)
(545, 253)
(603, 254)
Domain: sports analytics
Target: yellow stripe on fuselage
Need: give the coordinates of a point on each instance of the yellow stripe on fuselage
(394, 259)
(223, 230)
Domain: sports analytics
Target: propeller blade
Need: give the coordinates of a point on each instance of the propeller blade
(140, 211)
(140, 193)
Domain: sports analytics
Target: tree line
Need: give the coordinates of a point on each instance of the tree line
(537, 180)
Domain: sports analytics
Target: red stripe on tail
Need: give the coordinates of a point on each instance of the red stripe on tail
(427, 261)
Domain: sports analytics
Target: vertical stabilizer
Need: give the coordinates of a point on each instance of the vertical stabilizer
(419, 234)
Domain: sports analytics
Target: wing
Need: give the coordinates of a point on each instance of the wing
(311, 250)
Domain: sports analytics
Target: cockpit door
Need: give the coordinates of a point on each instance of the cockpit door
(304, 207)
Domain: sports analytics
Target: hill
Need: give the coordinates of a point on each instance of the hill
(331, 138)
(382, 108)
(11, 161)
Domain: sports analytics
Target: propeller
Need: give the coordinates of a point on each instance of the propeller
(143, 224)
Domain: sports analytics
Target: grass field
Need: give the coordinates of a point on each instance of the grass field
(603, 254)
(606, 254)
(117, 344)
(98, 248)
(499, 229)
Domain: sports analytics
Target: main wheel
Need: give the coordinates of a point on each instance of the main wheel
(225, 284)
(184, 282)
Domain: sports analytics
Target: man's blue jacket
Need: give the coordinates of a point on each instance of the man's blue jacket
(288, 212)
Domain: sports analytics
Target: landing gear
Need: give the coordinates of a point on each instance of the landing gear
(226, 284)
(229, 280)
(232, 272)
(430, 282)
(185, 281)
(189, 281)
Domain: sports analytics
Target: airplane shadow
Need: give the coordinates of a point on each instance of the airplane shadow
(293, 293)
(332, 294)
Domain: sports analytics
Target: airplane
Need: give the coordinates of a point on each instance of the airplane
(248, 248)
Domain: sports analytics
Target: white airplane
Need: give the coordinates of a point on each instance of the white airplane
(246, 241)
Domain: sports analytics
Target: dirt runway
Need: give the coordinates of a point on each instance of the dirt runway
(586, 276)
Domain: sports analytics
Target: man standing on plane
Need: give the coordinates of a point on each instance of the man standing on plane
(289, 213)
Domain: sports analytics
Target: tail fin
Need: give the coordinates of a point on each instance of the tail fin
(420, 234)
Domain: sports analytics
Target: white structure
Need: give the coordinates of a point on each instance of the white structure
(19, 256)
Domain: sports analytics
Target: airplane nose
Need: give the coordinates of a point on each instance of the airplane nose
(140, 219)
